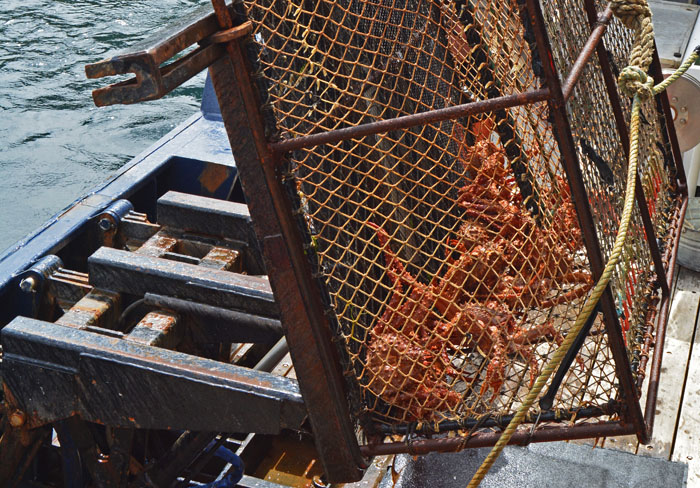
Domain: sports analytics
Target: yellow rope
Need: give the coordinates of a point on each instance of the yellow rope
(634, 81)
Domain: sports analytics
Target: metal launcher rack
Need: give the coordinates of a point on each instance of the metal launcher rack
(435, 187)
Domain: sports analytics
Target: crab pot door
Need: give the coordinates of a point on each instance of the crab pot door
(455, 186)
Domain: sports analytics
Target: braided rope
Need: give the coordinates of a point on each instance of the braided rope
(633, 80)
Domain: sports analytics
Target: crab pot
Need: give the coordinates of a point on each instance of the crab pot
(437, 185)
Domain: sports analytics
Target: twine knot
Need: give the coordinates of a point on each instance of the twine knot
(634, 81)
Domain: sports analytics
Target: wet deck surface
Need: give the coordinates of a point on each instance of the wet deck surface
(676, 435)
(552, 465)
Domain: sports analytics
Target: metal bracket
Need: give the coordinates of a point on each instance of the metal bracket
(127, 384)
(147, 61)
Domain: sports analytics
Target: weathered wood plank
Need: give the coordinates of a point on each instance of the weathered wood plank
(679, 336)
(686, 446)
(284, 366)
(687, 280)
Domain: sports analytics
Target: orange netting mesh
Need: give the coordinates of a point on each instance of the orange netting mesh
(451, 252)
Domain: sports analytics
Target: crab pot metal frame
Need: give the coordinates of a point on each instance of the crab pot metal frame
(307, 326)
(345, 436)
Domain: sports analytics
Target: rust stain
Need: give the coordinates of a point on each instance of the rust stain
(161, 321)
(212, 177)
(222, 258)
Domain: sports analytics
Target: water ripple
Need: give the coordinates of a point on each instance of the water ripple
(54, 144)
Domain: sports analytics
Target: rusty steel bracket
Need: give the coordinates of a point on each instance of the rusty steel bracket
(147, 61)
(54, 372)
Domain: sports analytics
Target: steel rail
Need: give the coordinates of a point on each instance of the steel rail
(406, 121)
(454, 444)
(655, 373)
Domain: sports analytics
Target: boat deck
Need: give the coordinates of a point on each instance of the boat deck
(676, 435)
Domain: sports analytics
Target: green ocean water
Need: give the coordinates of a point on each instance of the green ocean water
(54, 143)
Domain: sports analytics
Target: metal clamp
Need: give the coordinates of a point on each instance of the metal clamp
(147, 61)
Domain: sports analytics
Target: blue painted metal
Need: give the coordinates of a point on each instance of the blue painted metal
(210, 104)
(235, 471)
(114, 213)
(31, 284)
(195, 157)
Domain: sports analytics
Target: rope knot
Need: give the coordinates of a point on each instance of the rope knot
(634, 81)
(631, 12)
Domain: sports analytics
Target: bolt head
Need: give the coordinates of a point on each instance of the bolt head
(106, 224)
(683, 121)
(17, 418)
(317, 482)
(28, 284)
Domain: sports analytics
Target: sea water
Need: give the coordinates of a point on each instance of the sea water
(54, 143)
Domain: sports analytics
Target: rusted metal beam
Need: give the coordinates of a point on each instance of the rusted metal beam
(126, 272)
(158, 328)
(307, 329)
(562, 130)
(96, 309)
(68, 286)
(205, 215)
(653, 389)
(453, 444)
(210, 216)
(126, 384)
(406, 121)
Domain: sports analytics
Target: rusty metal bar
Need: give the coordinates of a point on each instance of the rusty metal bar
(158, 328)
(614, 97)
(592, 44)
(453, 444)
(150, 82)
(306, 327)
(650, 235)
(653, 390)
(652, 317)
(500, 422)
(557, 106)
(412, 120)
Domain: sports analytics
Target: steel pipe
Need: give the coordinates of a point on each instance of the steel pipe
(587, 52)
(406, 121)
